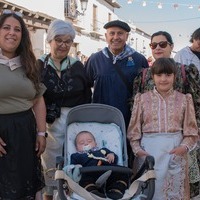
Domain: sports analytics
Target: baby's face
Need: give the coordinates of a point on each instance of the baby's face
(83, 140)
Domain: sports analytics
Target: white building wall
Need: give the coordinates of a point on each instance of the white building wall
(140, 43)
(54, 8)
(38, 40)
(86, 44)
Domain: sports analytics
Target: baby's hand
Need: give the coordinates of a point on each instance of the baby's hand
(179, 151)
(110, 157)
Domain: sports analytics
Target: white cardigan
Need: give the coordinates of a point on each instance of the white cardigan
(186, 56)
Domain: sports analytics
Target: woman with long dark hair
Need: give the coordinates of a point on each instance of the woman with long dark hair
(22, 112)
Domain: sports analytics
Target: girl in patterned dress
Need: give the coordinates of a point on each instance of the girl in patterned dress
(163, 125)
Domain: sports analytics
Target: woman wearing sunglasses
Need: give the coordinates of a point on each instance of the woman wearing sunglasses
(187, 81)
(22, 112)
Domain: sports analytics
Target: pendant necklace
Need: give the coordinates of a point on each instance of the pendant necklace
(56, 68)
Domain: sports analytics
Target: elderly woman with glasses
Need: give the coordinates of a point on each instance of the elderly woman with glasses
(22, 112)
(66, 83)
(187, 81)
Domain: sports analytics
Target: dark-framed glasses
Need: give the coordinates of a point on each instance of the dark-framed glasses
(162, 44)
(7, 12)
(60, 42)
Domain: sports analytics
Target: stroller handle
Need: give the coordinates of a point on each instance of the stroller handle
(149, 162)
(118, 169)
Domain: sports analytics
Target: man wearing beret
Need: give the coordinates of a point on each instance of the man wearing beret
(109, 85)
(112, 70)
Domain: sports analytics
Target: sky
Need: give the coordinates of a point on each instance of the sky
(180, 23)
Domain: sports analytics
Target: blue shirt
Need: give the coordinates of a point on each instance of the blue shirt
(108, 86)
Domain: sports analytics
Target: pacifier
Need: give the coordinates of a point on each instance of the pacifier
(86, 147)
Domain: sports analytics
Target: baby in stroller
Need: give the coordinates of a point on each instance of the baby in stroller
(88, 154)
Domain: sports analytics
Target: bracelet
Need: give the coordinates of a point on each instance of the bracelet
(135, 154)
(185, 146)
(44, 134)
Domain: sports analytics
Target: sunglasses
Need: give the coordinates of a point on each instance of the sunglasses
(7, 12)
(162, 44)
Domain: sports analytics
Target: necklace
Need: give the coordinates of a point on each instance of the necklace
(62, 65)
(56, 68)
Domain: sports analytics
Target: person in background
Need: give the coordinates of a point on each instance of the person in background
(79, 55)
(187, 81)
(163, 124)
(84, 59)
(112, 70)
(67, 86)
(89, 154)
(22, 112)
(150, 61)
(190, 55)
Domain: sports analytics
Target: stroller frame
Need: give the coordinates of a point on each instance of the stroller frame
(106, 114)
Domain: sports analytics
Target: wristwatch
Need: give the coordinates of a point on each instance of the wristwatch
(44, 134)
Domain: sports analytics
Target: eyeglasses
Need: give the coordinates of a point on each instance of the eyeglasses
(60, 42)
(7, 12)
(162, 44)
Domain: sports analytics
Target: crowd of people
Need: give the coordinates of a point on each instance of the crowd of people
(159, 100)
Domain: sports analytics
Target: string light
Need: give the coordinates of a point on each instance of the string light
(130, 1)
(190, 6)
(161, 4)
(175, 6)
(144, 3)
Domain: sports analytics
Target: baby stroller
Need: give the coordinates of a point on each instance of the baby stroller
(108, 126)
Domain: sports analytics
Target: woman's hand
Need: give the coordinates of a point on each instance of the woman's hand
(2, 150)
(40, 144)
(179, 151)
(142, 153)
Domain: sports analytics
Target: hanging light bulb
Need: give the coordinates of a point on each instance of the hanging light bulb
(129, 1)
(144, 3)
(159, 5)
(84, 5)
(190, 6)
(175, 6)
(199, 8)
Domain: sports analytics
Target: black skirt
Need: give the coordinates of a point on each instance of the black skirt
(20, 168)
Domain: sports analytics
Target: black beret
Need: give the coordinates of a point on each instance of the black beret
(118, 23)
